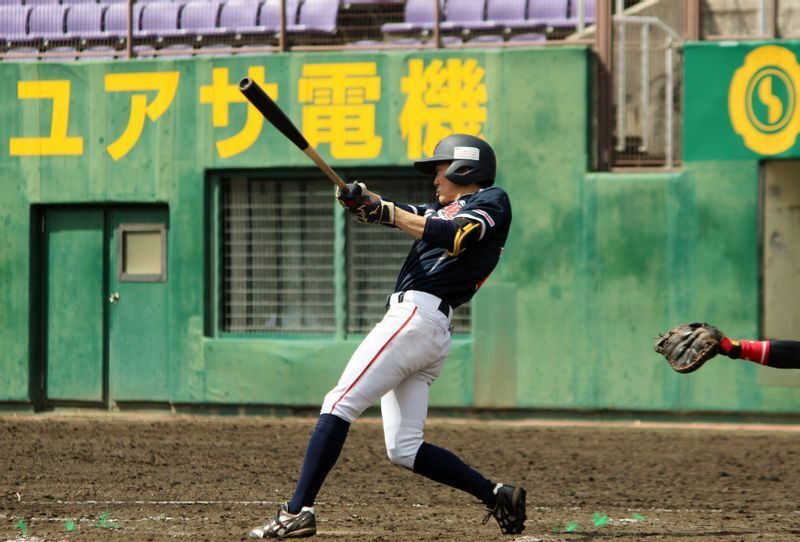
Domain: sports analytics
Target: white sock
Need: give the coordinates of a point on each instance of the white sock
(497, 488)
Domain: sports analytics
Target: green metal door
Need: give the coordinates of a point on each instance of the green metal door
(138, 331)
(74, 302)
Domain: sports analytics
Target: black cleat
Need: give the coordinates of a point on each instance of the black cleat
(509, 511)
(286, 525)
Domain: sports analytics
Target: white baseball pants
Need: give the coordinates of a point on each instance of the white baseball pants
(397, 362)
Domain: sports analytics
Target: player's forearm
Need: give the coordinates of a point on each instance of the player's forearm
(412, 224)
(780, 354)
(784, 354)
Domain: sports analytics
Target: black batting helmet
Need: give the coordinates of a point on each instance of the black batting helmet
(465, 151)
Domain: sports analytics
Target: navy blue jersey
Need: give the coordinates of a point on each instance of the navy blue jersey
(455, 279)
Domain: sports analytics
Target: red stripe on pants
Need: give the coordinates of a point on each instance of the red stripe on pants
(373, 360)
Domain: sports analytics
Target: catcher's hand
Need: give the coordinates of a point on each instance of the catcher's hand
(688, 346)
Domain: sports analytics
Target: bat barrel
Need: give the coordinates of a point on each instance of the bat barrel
(261, 101)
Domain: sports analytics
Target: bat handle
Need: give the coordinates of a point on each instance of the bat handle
(326, 169)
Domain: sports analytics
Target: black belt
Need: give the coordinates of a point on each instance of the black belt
(443, 307)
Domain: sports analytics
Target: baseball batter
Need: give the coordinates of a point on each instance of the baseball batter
(458, 242)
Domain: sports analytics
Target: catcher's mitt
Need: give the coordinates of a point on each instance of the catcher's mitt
(688, 346)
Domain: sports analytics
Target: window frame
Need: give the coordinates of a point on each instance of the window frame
(122, 229)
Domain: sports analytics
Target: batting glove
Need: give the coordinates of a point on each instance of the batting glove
(353, 197)
(376, 212)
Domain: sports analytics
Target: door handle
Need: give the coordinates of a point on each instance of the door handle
(113, 298)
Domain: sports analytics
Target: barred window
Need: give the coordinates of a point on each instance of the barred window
(277, 250)
(278, 264)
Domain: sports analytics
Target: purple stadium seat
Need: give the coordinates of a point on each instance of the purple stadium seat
(47, 22)
(418, 15)
(115, 22)
(238, 17)
(160, 19)
(14, 23)
(271, 14)
(589, 10)
(316, 16)
(144, 50)
(532, 37)
(487, 38)
(506, 10)
(85, 21)
(549, 13)
(508, 14)
(464, 14)
(10, 3)
(41, 2)
(406, 42)
(77, 2)
(365, 43)
(452, 41)
(199, 19)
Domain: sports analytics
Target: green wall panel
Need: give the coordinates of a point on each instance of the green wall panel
(595, 265)
(632, 259)
(301, 372)
(14, 307)
(494, 331)
(543, 157)
(272, 372)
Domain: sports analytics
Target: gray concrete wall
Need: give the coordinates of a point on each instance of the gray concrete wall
(743, 18)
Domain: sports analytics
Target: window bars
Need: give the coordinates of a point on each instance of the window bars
(278, 249)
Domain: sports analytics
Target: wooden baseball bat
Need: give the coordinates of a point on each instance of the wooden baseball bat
(261, 101)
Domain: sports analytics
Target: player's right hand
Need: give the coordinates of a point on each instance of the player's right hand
(353, 197)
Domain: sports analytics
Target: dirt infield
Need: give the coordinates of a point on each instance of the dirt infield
(111, 477)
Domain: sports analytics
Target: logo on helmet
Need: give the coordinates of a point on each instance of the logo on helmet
(466, 153)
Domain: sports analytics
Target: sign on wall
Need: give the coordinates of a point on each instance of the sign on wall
(346, 108)
(742, 100)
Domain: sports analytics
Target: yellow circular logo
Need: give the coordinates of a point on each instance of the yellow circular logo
(762, 100)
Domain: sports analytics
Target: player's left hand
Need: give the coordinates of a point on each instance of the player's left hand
(376, 211)
(688, 346)
(353, 196)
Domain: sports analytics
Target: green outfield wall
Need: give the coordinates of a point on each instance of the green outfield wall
(596, 263)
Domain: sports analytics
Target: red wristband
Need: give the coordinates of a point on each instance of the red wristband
(757, 351)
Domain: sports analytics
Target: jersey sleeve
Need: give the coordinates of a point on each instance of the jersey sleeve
(490, 207)
(415, 209)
